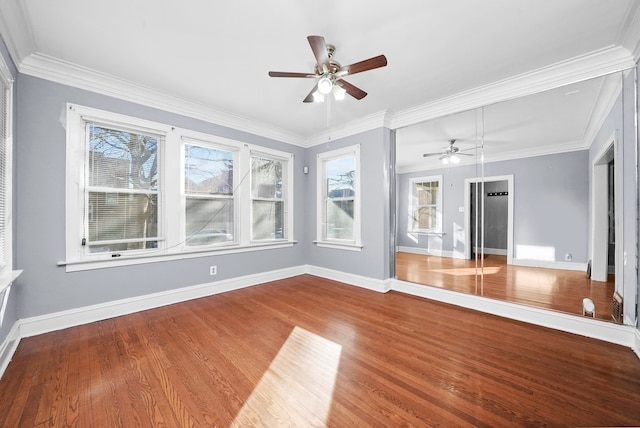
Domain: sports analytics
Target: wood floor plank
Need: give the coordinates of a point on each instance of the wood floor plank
(307, 351)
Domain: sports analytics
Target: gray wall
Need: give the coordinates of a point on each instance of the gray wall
(46, 288)
(375, 160)
(11, 310)
(551, 195)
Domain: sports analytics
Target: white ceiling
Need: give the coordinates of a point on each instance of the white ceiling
(215, 55)
(558, 120)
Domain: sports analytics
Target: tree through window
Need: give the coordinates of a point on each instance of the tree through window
(122, 190)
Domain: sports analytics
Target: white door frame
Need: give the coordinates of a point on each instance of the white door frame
(467, 212)
(599, 213)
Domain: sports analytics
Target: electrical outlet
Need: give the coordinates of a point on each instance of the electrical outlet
(213, 270)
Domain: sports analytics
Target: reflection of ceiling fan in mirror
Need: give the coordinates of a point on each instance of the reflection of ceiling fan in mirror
(329, 74)
(451, 153)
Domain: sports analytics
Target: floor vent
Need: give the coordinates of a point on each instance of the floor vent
(616, 309)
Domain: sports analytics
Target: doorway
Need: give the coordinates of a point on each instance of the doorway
(605, 215)
(491, 198)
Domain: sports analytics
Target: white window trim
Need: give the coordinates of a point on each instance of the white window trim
(321, 241)
(413, 201)
(171, 184)
(7, 274)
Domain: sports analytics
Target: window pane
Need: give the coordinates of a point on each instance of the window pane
(340, 219)
(122, 160)
(268, 220)
(427, 193)
(209, 221)
(341, 178)
(208, 170)
(266, 178)
(122, 216)
(425, 218)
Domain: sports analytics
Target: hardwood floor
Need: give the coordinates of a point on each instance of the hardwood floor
(555, 289)
(306, 351)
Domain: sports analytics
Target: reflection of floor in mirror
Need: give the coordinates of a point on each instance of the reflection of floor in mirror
(555, 289)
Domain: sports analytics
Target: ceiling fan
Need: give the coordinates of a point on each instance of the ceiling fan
(329, 74)
(450, 153)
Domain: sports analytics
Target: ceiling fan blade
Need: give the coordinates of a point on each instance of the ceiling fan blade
(426, 155)
(319, 48)
(309, 98)
(359, 67)
(354, 91)
(288, 74)
(467, 149)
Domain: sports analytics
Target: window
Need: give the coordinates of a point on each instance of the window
(209, 195)
(141, 191)
(339, 193)
(267, 198)
(426, 205)
(122, 189)
(6, 150)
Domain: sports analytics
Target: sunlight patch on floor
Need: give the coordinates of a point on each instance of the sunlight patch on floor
(297, 388)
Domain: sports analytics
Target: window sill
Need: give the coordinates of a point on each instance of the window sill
(426, 233)
(6, 280)
(339, 246)
(137, 259)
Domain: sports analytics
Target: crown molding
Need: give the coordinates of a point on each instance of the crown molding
(608, 94)
(49, 68)
(367, 123)
(629, 36)
(571, 146)
(594, 64)
(16, 30)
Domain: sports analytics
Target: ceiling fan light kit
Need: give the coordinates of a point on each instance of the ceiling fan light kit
(329, 74)
(325, 85)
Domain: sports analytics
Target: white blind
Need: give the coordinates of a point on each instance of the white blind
(4, 141)
(122, 190)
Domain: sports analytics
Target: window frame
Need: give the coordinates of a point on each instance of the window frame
(287, 191)
(414, 205)
(107, 190)
(322, 161)
(7, 274)
(171, 194)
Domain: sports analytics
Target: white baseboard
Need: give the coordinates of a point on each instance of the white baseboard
(73, 317)
(9, 346)
(582, 267)
(381, 286)
(636, 345)
(495, 251)
(589, 327)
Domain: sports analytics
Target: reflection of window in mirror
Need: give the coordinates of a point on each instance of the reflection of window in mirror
(426, 204)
